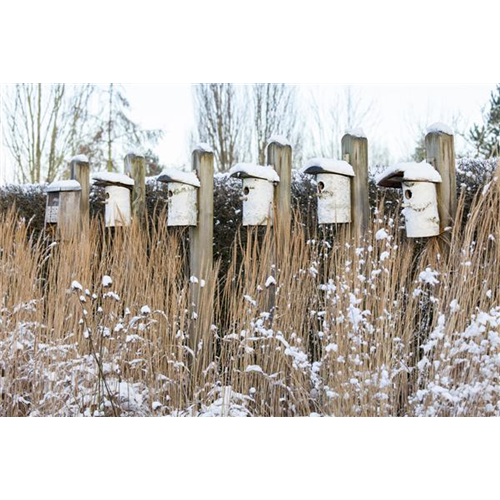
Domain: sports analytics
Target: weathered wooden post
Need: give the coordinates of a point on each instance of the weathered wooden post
(440, 148)
(80, 172)
(135, 167)
(201, 236)
(279, 156)
(355, 152)
(63, 213)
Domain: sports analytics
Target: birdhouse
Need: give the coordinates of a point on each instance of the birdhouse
(117, 187)
(420, 203)
(257, 193)
(62, 211)
(334, 189)
(182, 197)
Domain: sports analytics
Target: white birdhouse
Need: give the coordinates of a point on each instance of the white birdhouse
(118, 209)
(257, 192)
(63, 207)
(334, 189)
(420, 203)
(182, 197)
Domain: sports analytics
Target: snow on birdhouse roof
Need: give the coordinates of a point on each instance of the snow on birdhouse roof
(174, 175)
(245, 170)
(411, 172)
(356, 132)
(327, 166)
(279, 139)
(57, 186)
(108, 178)
(439, 128)
(80, 159)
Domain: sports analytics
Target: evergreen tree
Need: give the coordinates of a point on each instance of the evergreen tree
(420, 153)
(486, 137)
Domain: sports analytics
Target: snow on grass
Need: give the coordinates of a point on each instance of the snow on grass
(429, 277)
(76, 286)
(381, 234)
(106, 281)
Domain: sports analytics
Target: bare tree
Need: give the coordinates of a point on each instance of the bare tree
(44, 124)
(274, 113)
(222, 122)
(330, 120)
(116, 133)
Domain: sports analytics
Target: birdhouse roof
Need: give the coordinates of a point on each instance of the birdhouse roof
(328, 166)
(408, 172)
(58, 186)
(249, 170)
(112, 179)
(173, 175)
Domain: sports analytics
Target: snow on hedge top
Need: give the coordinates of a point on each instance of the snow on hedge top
(327, 165)
(173, 175)
(412, 172)
(80, 159)
(113, 178)
(439, 128)
(243, 170)
(279, 139)
(356, 132)
(64, 186)
(204, 147)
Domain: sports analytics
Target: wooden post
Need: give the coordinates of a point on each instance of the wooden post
(201, 236)
(135, 167)
(439, 145)
(80, 171)
(279, 156)
(355, 152)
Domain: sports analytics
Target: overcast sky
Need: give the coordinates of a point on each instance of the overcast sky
(398, 111)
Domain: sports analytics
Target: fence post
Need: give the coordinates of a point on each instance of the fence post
(440, 149)
(135, 167)
(355, 152)
(279, 156)
(80, 172)
(201, 236)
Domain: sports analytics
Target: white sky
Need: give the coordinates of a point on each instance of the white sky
(398, 113)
